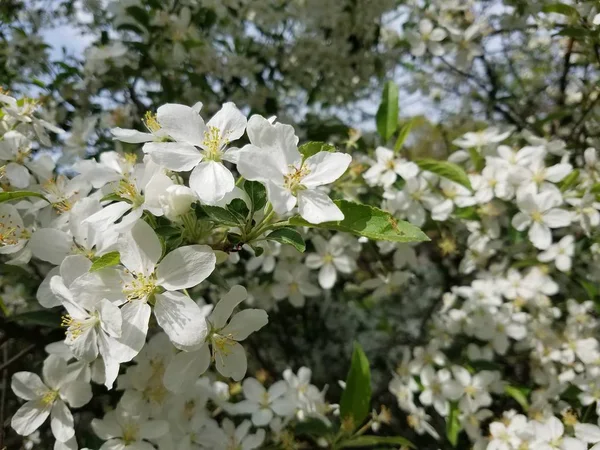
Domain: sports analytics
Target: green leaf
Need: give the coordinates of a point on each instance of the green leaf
(561, 8)
(312, 148)
(366, 441)
(574, 32)
(239, 209)
(356, 398)
(445, 169)
(167, 231)
(112, 197)
(108, 260)
(387, 114)
(570, 180)
(257, 193)
(222, 216)
(404, 132)
(368, 221)
(453, 427)
(311, 427)
(44, 317)
(288, 236)
(519, 394)
(15, 195)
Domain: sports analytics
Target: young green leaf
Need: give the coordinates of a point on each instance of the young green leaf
(445, 169)
(387, 114)
(239, 209)
(404, 132)
(369, 222)
(312, 148)
(356, 398)
(108, 260)
(288, 236)
(257, 193)
(519, 394)
(561, 8)
(15, 195)
(453, 426)
(368, 441)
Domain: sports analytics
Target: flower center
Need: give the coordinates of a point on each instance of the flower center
(140, 288)
(536, 216)
(9, 232)
(213, 142)
(151, 123)
(49, 398)
(292, 181)
(130, 433)
(75, 327)
(129, 191)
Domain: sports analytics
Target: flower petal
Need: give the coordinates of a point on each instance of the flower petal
(211, 181)
(316, 207)
(181, 318)
(185, 267)
(325, 168)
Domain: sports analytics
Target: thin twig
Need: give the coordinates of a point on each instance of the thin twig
(17, 357)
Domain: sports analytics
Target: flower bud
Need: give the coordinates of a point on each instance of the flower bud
(176, 201)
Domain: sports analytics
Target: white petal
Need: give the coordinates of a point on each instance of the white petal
(211, 181)
(54, 371)
(73, 267)
(557, 218)
(325, 168)
(587, 432)
(30, 417)
(281, 198)
(185, 368)
(140, 249)
(61, 422)
(17, 175)
(110, 317)
(92, 287)
(230, 121)
(44, 294)
(174, 155)
(222, 311)
(231, 363)
(108, 215)
(49, 244)
(181, 318)
(521, 221)
(257, 164)
(540, 235)
(182, 123)
(244, 323)
(185, 267)
(27, 385)
(278, 138)
(327, 276)
(153, 429)
(316, 207)
(262, 417)
(131, 136)
(136, 315)
(253, 390)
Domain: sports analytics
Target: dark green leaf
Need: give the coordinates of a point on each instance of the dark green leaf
(404, 132)
(311, 427)
(139, 14)
(574, 32)
(370, 222)
(239, 209)
(288, 236)
(15, 195)
(167, 231)
(387, 114)
(222, 216)
(356, 398)
(312, 148)
(367, 441)
(108, 260)
(445, 169)
(44, 317)
(453, 426)
(257, 193)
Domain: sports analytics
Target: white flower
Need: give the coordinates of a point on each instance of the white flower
(210, 179)
(428, 38)
(229, 437)
(223, 337)
(292, 282)
(472, 390)
(549, 436)
(13, 234)
(561, 253)
(48, 399)
(539, 212)
(433, 389)
(273, 159)
(122, 429)
(264, 404)
(387, 168)
(176, 201)
(330, 258)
